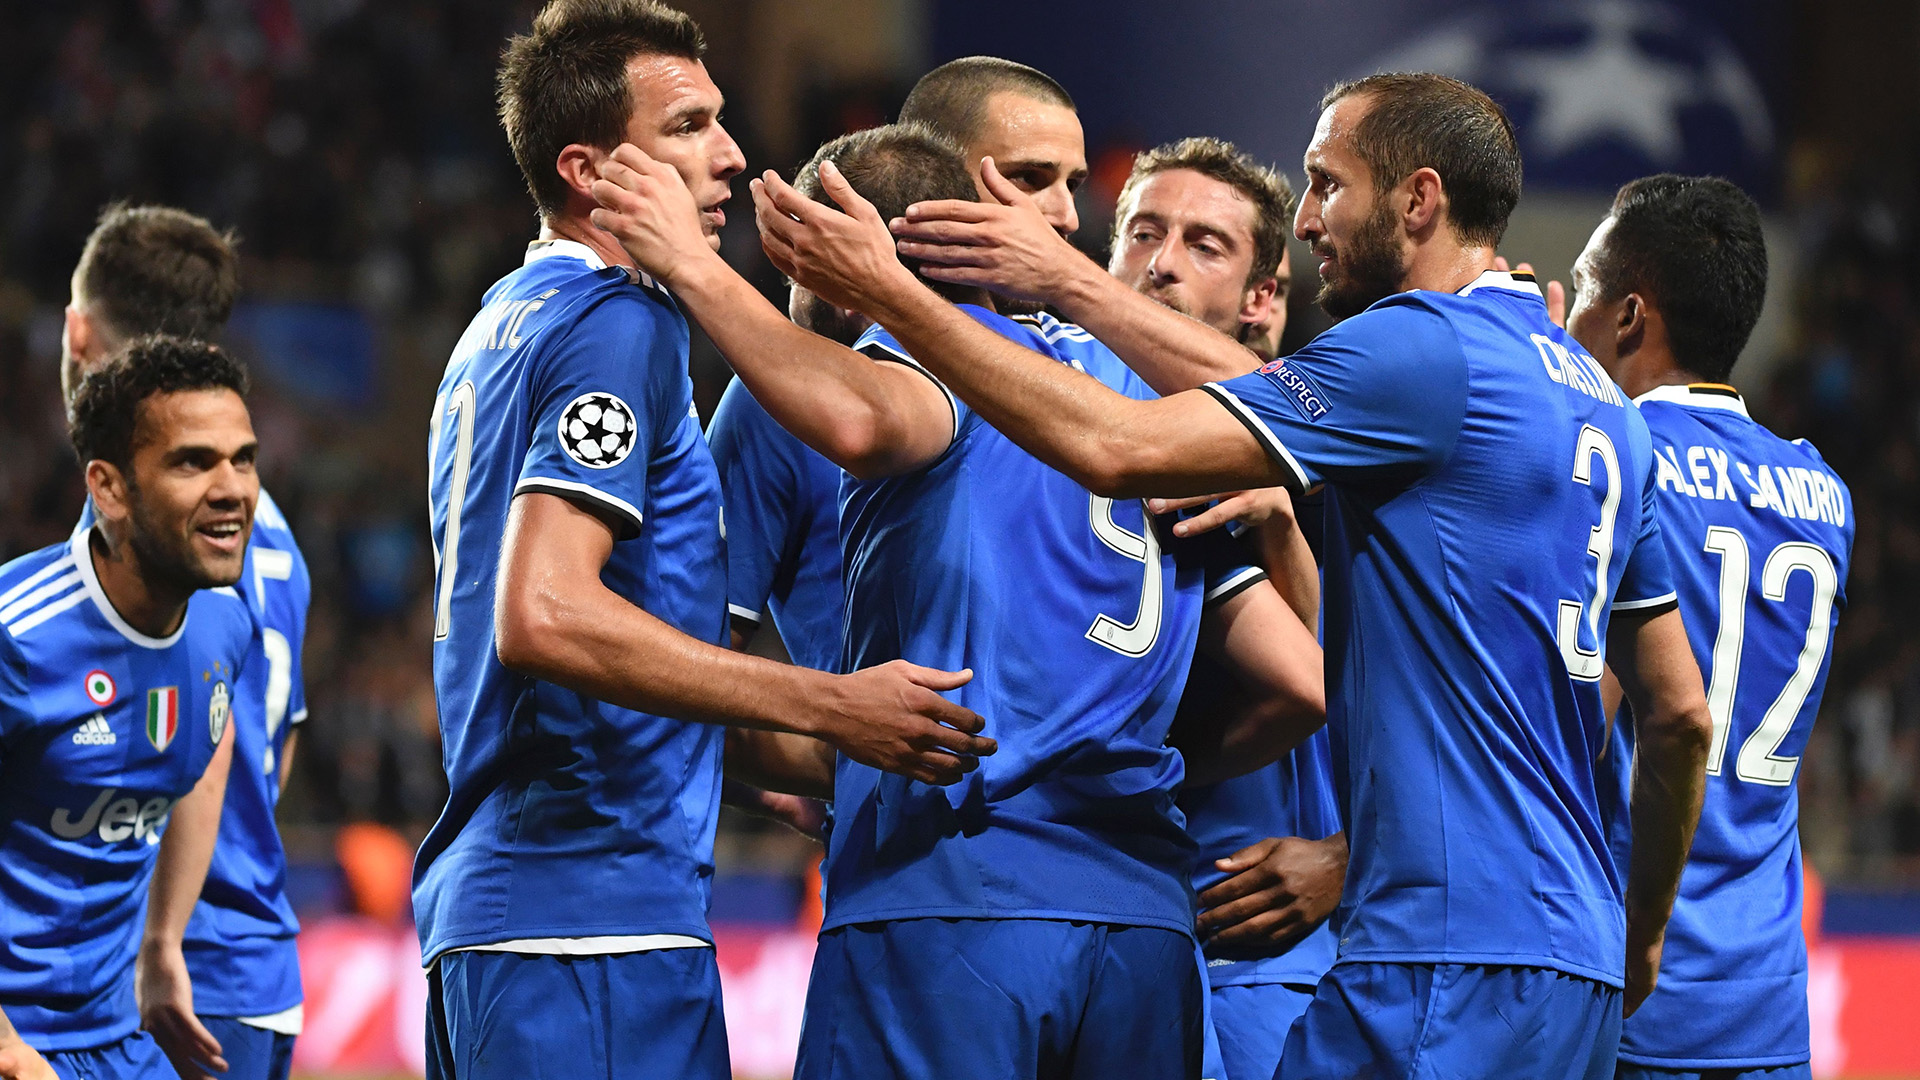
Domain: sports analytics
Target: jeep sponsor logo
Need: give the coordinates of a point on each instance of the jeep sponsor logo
(114, 819)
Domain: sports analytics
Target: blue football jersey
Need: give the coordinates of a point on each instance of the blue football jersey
(239, 942)
(102, 730)
(1490, 501)
(1292, 797)
(783, 529)
(569, 817)
(1760, 533)
(1080, 624)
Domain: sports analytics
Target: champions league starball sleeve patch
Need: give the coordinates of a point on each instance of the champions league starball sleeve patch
(597, 430)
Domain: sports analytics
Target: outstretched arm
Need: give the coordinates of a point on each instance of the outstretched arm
(1005, 245)
(1280, 698)
(556, 621)
(869, 419)
(1672, 730)
(1112, 445)
(162, 988)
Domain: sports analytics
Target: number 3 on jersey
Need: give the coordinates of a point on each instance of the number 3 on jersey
(1583, 664)
(1757, 762)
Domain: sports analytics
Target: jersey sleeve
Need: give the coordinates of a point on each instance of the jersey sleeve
(597, 409)
(297, 641)
(16, 713)
(1646, 581)
(1378, 396)
(877, 344)
(760, 485)
(1227, 567)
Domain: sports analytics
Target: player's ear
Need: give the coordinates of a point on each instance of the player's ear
(579, 166)
(1630, 324)
(107, 487)
(1424, 193)
(1257, 303)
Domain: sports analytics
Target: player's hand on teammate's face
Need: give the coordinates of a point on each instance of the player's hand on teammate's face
(164, 994)
(1643, 963)
(845, 258)
(645, 204)
(1278, 890)
(1007, 246)
(1256, 506)
(18, 1061)
(892, 717)
(1556, 293)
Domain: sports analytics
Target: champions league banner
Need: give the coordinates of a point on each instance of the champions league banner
(1601, 91)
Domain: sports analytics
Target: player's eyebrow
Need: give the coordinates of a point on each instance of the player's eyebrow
(694, 109)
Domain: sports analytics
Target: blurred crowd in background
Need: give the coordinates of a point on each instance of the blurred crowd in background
(352, 147)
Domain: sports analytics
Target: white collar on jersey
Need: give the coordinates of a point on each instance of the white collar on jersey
(574, 249)
(83, 561)
(1698, 396)
(1500, 279)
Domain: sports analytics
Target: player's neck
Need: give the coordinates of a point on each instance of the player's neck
(1444, 266)
(1650, 366)
(153, 608)
(582, 231)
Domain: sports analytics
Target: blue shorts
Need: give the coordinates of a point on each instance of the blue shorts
(136, 1057)
(1012, 999)
(1428, 1021)
(1802, 1071)
(631, 1016)
(252, 1053)
(1251, 1024)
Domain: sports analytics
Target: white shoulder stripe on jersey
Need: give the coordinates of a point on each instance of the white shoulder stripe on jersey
(41, 595)
(742, 613)
(64, 562)
(1262, 434)
(570, 489)
(895, 355)
(72, 599)
(1654, 601)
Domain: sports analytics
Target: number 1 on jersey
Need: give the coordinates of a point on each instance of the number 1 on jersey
(459, 406)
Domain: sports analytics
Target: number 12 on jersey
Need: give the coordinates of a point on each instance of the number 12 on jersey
(1758, 761)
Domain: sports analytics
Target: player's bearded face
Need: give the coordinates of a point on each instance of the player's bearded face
(1365, 268)
(809, 312)
(192, 488)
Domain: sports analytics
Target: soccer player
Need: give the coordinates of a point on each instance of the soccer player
(156, 269)
(119, 652)
(1760, 532)
(1197, 227)
(580, 612)
(1490, 536)
(1067, 843)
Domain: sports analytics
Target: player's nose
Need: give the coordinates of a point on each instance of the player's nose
(1056, 205)
(729, 161)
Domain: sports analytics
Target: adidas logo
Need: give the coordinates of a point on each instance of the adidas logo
(95, 732)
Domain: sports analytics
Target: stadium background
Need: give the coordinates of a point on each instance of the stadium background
(352, 145)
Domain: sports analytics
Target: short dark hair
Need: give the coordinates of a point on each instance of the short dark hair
(1431, 121)
(106, 410)
(952, 98)
(1266, 189)
(157, 270)
(894, 167)
(1693, 245)
(566, 82)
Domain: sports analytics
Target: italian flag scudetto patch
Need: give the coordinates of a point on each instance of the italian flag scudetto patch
(163, 715)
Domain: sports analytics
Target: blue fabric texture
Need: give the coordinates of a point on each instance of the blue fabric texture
(102, 731)
(1014, 999)
(633, 1016)
(1490, 503)
(567, 816)
(1431, 1021)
